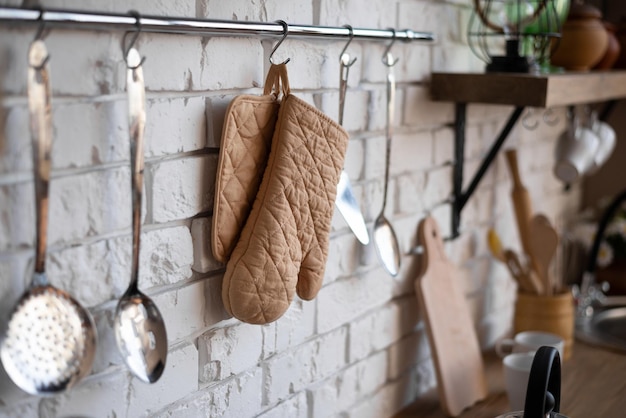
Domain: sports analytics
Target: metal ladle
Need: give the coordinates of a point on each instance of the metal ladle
(51, 339)
(384, 236)
(139, 326)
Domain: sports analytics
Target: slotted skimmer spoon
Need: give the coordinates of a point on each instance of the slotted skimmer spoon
(384, 236)
(51, 339)
(139, 327)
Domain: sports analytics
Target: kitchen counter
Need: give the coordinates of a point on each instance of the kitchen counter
(593, 385)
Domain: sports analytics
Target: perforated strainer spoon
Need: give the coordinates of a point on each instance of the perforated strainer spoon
(50, 341)
(139, 327)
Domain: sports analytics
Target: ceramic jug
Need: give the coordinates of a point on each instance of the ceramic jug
(543, 394)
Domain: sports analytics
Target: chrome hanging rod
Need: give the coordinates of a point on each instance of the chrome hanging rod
(73, 19)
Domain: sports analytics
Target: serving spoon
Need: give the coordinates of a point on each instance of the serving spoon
(50, 342)
(384, 236)
(139, 327)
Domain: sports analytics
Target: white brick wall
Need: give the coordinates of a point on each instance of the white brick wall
(226, 352)
(359, 349)
(183, 188)
(293, 370)
(345, 389)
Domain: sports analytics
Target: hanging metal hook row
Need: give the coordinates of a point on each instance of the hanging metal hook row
(84, 20)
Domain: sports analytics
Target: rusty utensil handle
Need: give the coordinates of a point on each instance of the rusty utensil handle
(40, 112)
(136, 93)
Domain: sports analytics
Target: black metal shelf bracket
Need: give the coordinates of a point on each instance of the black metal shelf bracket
(461, 197)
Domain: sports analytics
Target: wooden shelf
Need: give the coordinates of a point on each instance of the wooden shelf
(544, 90)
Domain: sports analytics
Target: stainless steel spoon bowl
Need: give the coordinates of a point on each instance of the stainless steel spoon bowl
(51, 339)
(139, 327)
(384, 236)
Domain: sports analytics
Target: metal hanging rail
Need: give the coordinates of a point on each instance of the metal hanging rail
(73, 19)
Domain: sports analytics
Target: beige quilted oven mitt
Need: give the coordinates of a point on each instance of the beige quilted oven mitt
(284, 244)
(245, 145)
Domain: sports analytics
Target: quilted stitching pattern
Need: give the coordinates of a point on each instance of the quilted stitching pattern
(284, 244)
(246, 137)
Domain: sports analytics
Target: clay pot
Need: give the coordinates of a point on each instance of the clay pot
(584, 40)
(612, 51)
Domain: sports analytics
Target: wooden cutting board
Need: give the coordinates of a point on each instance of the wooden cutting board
(458, 362)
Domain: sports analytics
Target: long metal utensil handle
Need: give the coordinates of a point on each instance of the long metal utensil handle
(344, 68)
(40, 111)
(136, 93)
(391, 101)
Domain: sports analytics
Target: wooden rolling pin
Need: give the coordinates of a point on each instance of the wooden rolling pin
(523, 209)
(521, 201)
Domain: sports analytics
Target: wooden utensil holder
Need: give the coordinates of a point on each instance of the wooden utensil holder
(554, 314)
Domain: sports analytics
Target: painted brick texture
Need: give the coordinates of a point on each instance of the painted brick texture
(359, 349)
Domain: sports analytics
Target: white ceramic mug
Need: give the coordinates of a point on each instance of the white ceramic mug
(516, 369)
(575, 153)
(529, 342)
(606, 135)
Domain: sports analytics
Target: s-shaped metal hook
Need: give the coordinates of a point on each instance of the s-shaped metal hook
(131, 44)
(285, 33)
(387, 57)
(344, 58)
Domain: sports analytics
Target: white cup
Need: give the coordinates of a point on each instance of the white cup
(529, 342)
(606, 135)
(575, 153)
(516, 368)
